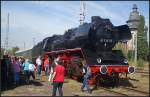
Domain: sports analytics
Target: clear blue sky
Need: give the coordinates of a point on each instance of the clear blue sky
(40, 19)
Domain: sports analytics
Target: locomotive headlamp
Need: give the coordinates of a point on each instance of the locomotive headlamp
(125, 61)
(103, 69)
(131, 69)
(99, 60)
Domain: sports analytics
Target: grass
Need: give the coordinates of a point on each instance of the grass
(140, 65)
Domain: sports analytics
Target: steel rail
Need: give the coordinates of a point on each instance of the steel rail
(135, 90)
(114, 92)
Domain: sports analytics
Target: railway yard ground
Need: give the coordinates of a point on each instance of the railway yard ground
(136, 85)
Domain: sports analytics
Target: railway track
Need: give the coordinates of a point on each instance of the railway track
(142, 72)
(106, 93)
(135, 90)
(126, 92)
(113, 92)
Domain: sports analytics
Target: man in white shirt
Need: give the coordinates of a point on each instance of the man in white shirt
(31, 70)
(39, 65)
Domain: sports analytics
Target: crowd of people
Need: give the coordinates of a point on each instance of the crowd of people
(10, 70)
(12, 67)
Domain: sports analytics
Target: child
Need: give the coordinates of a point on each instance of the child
(87, 74)
(31, 70)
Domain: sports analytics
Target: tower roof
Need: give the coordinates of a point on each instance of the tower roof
(134, 6)
(134, 17)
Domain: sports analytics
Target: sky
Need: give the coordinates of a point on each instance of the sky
(32, 21)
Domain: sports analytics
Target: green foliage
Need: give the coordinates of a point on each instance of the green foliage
(130, 55)
(117, 46)
(2, 52)
(131, 62)
(121, 46)
(10, 51)
(140, 63)
(142, 45)
(14, 49)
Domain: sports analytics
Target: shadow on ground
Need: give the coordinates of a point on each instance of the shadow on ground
(123, 82)
(126, 82)
(10, 85)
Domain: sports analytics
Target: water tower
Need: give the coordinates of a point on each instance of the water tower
(133, 23)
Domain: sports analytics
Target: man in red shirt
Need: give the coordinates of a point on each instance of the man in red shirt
(46, 65)
(58, 78)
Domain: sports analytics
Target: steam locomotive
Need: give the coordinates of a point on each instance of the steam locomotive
(96, 40)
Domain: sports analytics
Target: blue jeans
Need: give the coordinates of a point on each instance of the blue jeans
(47, 70)
(32, 74)
(27, 75)
(39, 68)
(16, 77)
(85, 85)
(59, 86)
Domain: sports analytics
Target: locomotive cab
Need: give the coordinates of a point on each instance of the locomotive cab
(71, 59)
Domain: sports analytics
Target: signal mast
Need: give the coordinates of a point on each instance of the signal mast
(7, 32)
(82, 12)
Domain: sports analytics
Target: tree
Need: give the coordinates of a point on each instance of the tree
(121, 46)
(142, 45)
(2, 52)
(14, 49)
(10, 51)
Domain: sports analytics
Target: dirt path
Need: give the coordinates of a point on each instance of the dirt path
(43, 88)
(72, 88)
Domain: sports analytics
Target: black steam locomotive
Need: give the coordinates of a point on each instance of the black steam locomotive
(96, 39)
